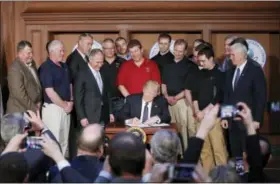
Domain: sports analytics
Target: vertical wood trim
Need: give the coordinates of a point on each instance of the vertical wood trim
(124, 33)
(206, 33)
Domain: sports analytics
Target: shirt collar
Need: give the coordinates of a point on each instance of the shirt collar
(162, 54)
(83, 55)
(241, 67)
(28, 64)
(144, 62)
(93, 71)
(144, 103)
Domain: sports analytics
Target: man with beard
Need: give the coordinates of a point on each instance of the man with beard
(121, 47)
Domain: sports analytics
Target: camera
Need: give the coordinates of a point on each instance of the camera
(239, 166)
(32, 142)
(228, 111)
(273, 106)
(181, 172)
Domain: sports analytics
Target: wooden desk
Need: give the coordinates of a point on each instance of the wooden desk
(113, 128)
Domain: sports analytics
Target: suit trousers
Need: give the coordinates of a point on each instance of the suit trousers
(58, 122)
(214, 151)
(182, 115)
(237, 138)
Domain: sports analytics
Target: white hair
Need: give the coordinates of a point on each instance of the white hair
(55, 44)
(165, 146)
(238, 47)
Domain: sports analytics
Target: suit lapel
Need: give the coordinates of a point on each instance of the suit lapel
(231, 75)
(35, 69)
(103, 83)
(28, 74)
(242, 75)
(154, 109)
(81, 59)
(139, 106)
(94, 81)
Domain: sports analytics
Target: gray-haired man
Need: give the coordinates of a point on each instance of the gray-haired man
(227, 64)
(16, 123)
(165, 148)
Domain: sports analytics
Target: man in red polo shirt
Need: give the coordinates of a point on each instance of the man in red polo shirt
(134, 73)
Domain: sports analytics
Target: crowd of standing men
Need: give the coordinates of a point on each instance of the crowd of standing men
(91, 86)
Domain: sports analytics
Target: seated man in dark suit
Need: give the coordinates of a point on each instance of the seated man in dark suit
(146, 107)
(16, 123)
(90, 149)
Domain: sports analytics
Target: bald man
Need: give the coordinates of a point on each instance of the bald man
(87, 162)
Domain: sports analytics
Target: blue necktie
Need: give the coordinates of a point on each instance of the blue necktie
(237, 76)
(146, 113)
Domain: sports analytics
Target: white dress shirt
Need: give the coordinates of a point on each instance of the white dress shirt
(83, 56)
(97, 77)
(241, 68)
(33, 73)
(142, 110)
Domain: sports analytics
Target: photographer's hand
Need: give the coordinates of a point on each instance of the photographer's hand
(36, 121)
(14, 144)
(51, 149)
(208, 122)
(158, 173)
(224, 124)
(148, 163)
(247, 118)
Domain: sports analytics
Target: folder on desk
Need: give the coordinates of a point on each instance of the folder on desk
(147, 126)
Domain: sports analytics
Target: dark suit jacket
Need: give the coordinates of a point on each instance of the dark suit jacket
(133, 105)
(88, 166)
(75, 63)
(38, 162)
(25, 92)
(251, 89)
(88, 98)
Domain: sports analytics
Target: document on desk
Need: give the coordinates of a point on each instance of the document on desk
(141, 125)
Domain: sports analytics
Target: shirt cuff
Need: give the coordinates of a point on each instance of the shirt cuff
(62, 164)
(44, 130)
(146, 178)
(158, 120)
(106, 175)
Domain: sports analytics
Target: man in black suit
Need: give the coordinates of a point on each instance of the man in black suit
(87, 162)
(246, 83)
(143, 107)
(91, 94)
(78, 59)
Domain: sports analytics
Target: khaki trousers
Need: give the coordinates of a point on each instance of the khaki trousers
(182, 115)
(214, 151)
(58, 122)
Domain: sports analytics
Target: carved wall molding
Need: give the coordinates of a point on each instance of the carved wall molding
(199, 17)
(151, 6)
